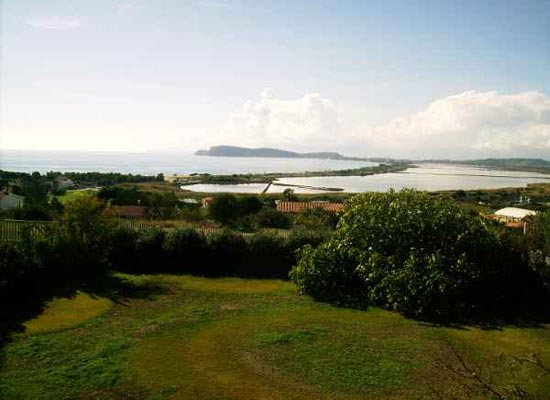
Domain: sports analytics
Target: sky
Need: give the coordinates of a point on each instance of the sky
(422, 79)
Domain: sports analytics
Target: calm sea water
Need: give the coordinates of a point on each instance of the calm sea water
(154, 163)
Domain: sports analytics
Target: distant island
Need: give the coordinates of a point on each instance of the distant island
(266, 152)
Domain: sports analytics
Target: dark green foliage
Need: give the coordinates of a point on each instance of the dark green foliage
(328, 274)
(225, 208)
(185, 249)
(31, 212)
(269, 217)
(538, 245)
(109, 178)
(228, 209)
(149, 248)
(18, 268)
(122, 248)
(407, 252)
(251, 205)
(288, 195)
(268, 255)
(226, 252)
(316, 218)
(121, 196)
(68, 255)
(301, 237)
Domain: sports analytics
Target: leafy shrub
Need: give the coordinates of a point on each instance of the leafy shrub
(17, 269)
(328, 274)
(266, 256)
(225, 208)
(185, 247)
(226, 250)
(122, 248)
(538, 246)
(228, 209)
(149, 247)
(316, 218)
(299, 238)
(269, 217)
(406, 252)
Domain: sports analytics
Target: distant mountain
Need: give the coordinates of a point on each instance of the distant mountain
(266, 152)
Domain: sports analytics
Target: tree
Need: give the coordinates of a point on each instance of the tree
(407, 252)
(269, 217)
(538, 245)
(225, 208)
(288, 195)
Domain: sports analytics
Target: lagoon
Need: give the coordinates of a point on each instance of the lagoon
(424, 176)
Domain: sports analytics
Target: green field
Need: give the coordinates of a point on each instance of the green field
(181, 337)
(72, 194)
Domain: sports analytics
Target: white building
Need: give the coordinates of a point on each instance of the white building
(10, 200)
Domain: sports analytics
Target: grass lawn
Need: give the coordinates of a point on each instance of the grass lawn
(72, 194)
(181, 337)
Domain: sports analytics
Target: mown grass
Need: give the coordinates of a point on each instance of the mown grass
(197, 338)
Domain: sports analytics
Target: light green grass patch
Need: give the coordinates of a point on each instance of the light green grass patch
(72, 194)
(63, 313)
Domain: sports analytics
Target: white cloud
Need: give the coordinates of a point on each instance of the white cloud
(468, 124)
(54, 23)
(299, 123)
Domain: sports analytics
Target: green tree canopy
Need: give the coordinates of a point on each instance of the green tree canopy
(407, 252)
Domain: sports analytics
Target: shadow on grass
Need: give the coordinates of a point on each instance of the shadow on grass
(19, 309)
(526, 315)
(521, 313)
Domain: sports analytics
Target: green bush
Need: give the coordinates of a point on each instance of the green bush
(185, 247)
(316, 218)
(538, 245)
(406, 252)
(149, 253)
(225, 208)
(266, 256)
(18, 268)
(226, 252)
(122, 248)
(269, 217)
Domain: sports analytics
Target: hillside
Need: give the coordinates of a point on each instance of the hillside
(523, 163)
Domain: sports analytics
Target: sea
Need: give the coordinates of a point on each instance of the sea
(423, 176)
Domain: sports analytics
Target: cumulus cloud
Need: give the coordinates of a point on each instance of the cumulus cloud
(470, 123)
(54, 23)
(271, 121)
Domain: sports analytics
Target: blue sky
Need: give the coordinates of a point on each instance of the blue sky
(431, 78)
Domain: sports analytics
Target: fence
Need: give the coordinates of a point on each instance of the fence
(17, 230)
